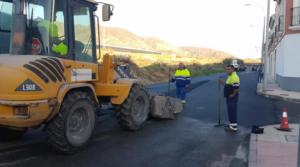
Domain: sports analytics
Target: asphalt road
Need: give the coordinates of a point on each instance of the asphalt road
(191, 140)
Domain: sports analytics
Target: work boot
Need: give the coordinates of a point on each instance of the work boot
(231, 128)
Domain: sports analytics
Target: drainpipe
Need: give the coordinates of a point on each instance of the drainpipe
(263, 42)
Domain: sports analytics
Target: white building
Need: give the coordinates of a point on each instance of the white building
(283, 62)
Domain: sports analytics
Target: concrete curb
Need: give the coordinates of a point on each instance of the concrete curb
(278, 97)
(252, 156)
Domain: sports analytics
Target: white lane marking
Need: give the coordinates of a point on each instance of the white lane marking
(11, 152)
(200, 108)
(101, 138)
(16, 162)
(227, 159)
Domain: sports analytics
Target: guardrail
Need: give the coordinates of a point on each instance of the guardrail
(132, 50)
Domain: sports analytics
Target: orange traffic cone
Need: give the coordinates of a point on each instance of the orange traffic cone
(284, 121)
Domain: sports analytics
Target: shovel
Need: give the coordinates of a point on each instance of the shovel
(219, 124)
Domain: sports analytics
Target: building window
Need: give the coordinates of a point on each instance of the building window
(295, 13)
(296, 3)
(6, 9)
(83, 34)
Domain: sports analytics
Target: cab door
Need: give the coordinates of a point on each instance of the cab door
(84, 49)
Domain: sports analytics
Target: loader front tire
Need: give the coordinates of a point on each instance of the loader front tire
(133, 113)
(70, 131)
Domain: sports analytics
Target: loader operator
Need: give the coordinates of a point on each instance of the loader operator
(183, 79)
(58, 46)
(231, 93)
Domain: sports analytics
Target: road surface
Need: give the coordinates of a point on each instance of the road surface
(191, 140)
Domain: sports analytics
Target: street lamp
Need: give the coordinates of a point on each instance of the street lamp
(265, 50)
(266, 47)
(264, 22)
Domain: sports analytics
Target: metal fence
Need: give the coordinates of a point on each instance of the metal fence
(295, 16)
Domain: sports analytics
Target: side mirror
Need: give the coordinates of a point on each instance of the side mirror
(106, 12)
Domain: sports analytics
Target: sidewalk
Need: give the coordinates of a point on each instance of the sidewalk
(274, 148)
(274, 91)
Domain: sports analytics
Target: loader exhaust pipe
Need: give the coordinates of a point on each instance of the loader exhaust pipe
(18, 30)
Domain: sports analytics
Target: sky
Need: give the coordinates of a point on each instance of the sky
(233, 26)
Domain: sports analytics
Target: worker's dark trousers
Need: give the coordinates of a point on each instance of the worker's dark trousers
(232, 109)
(180, 92)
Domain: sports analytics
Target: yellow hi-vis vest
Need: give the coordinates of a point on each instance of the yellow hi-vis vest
(182, 77)
(52, 29)
(233, 79)
(232, 82)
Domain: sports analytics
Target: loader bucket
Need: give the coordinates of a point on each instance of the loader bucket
(164, 107)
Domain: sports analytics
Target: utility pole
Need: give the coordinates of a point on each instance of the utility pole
(263, 46)
(264, 32)
(266, 47)
(299, 148)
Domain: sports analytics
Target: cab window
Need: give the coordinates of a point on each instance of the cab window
(83, 34)
(6, 9)
(46, 28)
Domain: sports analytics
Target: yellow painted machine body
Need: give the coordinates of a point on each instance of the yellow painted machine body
(29, 98)
(49, 73)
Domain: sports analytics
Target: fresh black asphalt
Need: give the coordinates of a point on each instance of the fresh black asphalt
(189, 141)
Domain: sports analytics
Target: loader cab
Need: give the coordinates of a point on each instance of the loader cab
(6, 8)
(59, 28)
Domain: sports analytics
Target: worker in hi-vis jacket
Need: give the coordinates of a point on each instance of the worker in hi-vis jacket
(182, 78)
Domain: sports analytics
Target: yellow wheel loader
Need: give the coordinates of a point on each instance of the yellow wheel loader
(50, 76)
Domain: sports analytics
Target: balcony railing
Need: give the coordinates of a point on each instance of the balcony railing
(295, 16)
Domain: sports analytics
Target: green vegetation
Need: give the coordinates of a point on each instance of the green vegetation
(204, 70)
(159, 72)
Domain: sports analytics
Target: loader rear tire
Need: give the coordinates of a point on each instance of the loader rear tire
(133, 113)
(70, 131)
(7, 134)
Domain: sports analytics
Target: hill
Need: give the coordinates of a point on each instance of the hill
(204, 52)
(124, 38)
(153, 68)
(253, 61)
